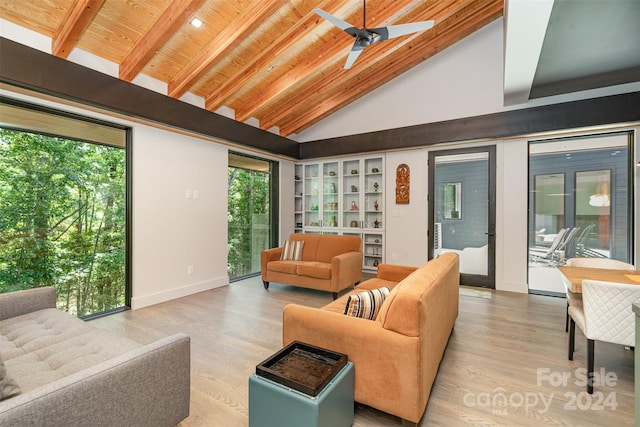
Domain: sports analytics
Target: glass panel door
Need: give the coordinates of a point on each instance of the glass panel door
(580, 205)
(462, 211)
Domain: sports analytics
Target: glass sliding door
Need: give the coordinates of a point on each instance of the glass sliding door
(580, 205)
(462, 211)
(252, 212)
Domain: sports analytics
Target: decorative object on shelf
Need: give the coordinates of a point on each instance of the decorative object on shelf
(375, 205)
(297, 177)
(354, 189)
(375, 186)
(403, 174)
(334, 221)
(375, 170)
(377, 224)
(333, 187)
(314, 174)
(314, 207)
(332, 173)
(354, 223)
(354, 207)
(299, 224)
(375, 263)
(314, 223)
(377, 241)
(354, 171)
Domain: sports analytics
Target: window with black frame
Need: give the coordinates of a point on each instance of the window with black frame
(63, 208)
(252, 212)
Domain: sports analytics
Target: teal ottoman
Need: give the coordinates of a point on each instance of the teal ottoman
(275, 405)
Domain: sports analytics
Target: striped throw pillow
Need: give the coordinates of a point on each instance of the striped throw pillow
(292, 251)
(366, 304)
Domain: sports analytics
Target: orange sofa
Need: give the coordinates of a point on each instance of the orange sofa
(329, 263)
(396, 355)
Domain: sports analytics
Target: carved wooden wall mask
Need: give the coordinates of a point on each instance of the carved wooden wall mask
(402, 184)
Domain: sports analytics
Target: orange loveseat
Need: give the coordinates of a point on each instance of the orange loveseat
(329, 263)
(396, 356)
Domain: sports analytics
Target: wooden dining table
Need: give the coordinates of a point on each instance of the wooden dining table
(573, 276)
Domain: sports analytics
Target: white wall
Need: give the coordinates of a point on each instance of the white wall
(406, 225)
(464, 80)
(172, 229)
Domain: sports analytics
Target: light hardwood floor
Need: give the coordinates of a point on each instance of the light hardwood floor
(500, 367)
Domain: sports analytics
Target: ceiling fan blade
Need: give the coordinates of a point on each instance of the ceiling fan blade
(334, 20)
(356, 50)
(394, 31)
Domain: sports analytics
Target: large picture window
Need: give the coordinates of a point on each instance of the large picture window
(63, 210)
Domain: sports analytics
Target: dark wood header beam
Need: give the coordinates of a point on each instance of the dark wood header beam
(624, 108)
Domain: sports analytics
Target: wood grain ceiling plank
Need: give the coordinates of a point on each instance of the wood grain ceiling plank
(232, 35)
(438, 11)
(175, 16)
(315, 60)
(450, 31)
(79, 16)
(217, 98)
(34, 15)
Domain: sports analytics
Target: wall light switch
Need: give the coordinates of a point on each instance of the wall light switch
(196, 194)
(188, 194)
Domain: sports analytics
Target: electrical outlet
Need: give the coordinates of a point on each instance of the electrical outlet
(394, 257)
(190, 270)
(188, 194)
(196, 194)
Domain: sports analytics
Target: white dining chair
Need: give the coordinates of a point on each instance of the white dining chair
(576, 298)
(605, 315)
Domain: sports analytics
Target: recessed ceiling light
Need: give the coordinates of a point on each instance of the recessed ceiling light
(196, 22)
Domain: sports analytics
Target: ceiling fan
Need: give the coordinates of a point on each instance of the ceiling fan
(367, 36)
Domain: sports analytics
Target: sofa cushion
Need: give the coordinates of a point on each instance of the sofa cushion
(330, 246)
(318, 270)
(288, 267)
(366, 304)
(46, 345)
(8, 386)
(404, 309)
(311, 242)
(292, 251)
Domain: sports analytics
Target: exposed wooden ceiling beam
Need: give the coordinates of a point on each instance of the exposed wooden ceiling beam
(315, 60)
(174, 16)
(75, 22)
(438, 11)
(217, 98)
(453, 29)
(226, 40)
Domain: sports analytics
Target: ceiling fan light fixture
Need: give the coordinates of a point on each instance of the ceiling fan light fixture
(196, 22)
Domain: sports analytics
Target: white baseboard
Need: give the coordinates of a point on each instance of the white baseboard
(171, 294)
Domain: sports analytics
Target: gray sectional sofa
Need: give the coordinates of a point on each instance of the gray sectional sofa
(57, 370)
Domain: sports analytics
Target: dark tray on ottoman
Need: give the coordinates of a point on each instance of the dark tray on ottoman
(302, 367)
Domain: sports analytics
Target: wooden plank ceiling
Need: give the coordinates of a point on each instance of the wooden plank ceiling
(273, 60)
